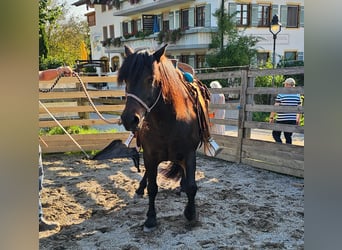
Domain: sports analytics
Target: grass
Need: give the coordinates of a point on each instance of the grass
(74, 130)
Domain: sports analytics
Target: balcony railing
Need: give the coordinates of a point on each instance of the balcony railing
(133, 9)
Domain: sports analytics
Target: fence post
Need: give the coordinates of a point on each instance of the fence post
(249, 100)
(241, 117)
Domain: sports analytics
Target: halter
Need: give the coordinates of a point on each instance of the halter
(148, 109)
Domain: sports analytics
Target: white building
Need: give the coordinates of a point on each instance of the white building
(186, 25)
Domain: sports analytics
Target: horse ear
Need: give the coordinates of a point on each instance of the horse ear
(128, 50)
(159, 53)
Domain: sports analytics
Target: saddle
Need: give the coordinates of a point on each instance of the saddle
(200, 96)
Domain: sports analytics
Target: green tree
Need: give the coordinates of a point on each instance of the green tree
(299, 78)
(65, 40)
(60, 35)
(239, 50)
(266, 81)
(48, 16)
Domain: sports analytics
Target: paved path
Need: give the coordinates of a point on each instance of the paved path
(260, 134)
(266, 135)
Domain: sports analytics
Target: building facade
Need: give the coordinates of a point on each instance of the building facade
(187, 26)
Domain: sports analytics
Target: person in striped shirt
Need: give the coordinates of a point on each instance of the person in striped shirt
(283, 117)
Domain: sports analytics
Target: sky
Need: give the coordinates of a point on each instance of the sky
(76, 10)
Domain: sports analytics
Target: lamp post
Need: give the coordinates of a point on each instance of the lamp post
(275, 28)
(109, 62)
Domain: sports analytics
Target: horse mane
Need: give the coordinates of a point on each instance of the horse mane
(133, 65)
(172, 86)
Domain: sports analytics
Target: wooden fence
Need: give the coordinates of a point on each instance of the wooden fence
(68, 103)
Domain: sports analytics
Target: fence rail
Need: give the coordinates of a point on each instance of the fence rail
(69, 105)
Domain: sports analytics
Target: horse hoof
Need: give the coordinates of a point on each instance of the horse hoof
(179, 191)
(138, 196)
(149, 229)
(191, 218)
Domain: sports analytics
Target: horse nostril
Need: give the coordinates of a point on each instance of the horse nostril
(136, 119)
(130, 121)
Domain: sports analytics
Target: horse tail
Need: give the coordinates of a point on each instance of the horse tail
(173, 171)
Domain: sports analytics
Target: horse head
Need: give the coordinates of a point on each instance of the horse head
(142, 90)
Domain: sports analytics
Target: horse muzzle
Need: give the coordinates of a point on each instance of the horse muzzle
(131, 121)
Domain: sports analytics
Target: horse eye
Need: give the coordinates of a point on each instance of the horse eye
(150, 80)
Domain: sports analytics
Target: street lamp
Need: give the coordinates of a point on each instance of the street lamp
(109, 62)
(275, 28)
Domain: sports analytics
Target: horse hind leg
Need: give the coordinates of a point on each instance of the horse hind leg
(181, 187)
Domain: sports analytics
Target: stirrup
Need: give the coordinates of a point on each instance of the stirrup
(212, 148)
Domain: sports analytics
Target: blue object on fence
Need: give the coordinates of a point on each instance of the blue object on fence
(238, 107)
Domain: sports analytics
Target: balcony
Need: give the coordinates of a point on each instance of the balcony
(197, 38)
(150, 6)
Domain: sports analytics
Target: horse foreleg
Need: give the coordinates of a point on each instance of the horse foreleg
(190, 187)
(152, 189)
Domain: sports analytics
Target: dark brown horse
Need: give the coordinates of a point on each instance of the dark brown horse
(168, 113)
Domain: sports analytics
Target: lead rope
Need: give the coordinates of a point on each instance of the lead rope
(86, 93)
(129, 139)
(65, 131)
(92, 103)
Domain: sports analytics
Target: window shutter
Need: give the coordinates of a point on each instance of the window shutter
(177, 20)
(139, 24)
(207, 13)
(301, 18)
(171, 21)
(191, 17)
(254, 13)
(129, 27)
(232, 10)
(300, 56)
(274, 10)
(283, 15)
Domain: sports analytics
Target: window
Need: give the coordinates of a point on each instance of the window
(134, 27)
(103, 7)
(111, 31)
(264, 15)
(200, 61)
(200, 16)
(290, 55)
(125, 28)
(110, 7)
(242, 15)
(105, 33)
(292, 17)
(262, 58)
(148, 21)
(184, 58)
(91, 19)
(185, 19)
(166, 26)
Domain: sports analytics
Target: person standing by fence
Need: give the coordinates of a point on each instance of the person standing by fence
(217, 113)
(46, 75)
(284, 117)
